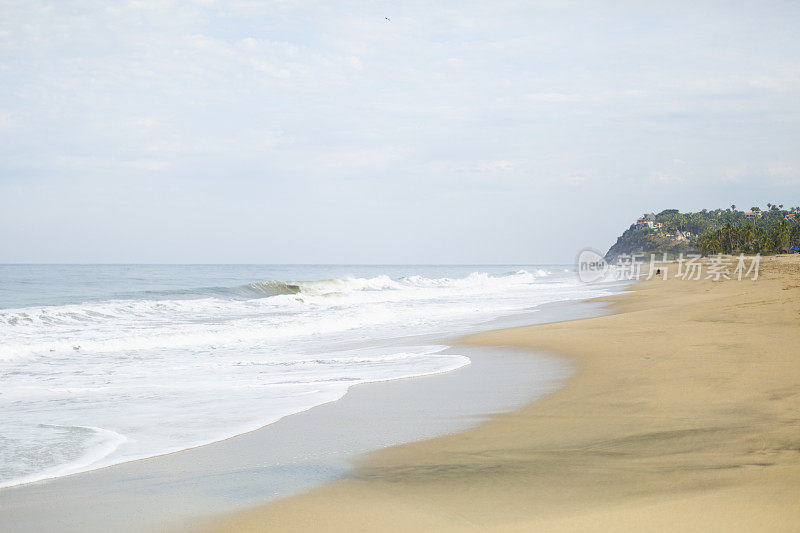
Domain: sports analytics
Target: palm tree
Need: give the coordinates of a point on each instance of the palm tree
(749, 235)
(782, 236)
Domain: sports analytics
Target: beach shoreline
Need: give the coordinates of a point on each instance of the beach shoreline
(91, 375)
(683, 415)
(300, 451)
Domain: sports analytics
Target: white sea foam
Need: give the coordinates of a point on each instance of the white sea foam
(99, 444)
(87, 385)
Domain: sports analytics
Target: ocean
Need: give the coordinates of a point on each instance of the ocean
(102, 364)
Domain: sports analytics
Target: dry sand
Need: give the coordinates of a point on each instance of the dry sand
(684, 415)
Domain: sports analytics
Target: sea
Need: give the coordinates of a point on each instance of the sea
(103, 364)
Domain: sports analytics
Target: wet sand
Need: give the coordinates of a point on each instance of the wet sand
(298, 452)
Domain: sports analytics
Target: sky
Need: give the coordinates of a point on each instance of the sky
(202, 131)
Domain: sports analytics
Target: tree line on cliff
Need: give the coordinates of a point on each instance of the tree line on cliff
(726, 231)
(750, 239)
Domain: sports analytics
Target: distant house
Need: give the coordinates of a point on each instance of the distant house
(754, 214)
(683, 235)
(789, 217)
(642, 223)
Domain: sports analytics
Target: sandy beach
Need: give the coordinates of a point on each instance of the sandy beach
(297, 453)
(683, 415)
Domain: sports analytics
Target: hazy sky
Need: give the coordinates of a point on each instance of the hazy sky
(458, 132)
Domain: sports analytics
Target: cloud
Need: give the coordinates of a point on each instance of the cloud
(784, 174)
(356, 159)
(148, 164)
(664, 178)
(735, 173)
(355, 63)
(575, 181)
(145, 122)
(586, 97)
(783, 170)
(496, 166)
(497, 99)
